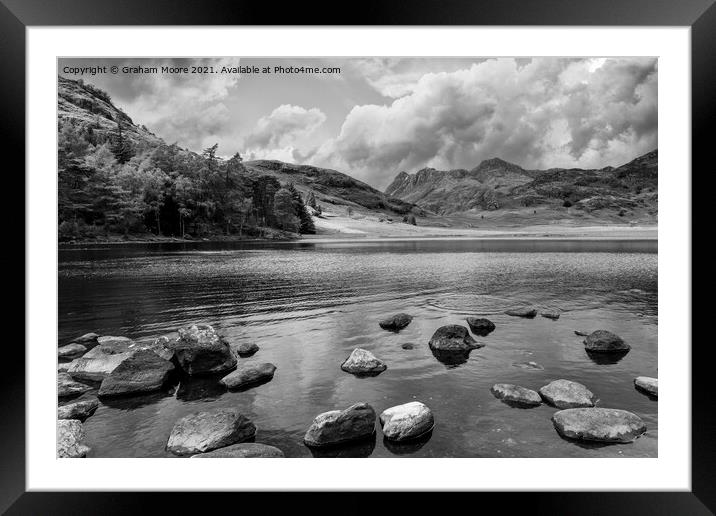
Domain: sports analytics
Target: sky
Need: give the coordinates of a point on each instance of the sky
(376, 117)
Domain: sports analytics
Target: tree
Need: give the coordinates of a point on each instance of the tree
(121, 147)
(306, 225)
(284, 210)
(311, 200)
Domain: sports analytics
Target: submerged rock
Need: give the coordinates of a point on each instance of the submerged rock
(70, 437)
(598, 424)
(204, 431)
(603, 341)
(580, 333)
(246, 349)
(67, 387)
(516, 394)
(341, 426)
(242, 451)
(453, 337)
(407, 345)
(362, 362)
(528, 365)
(249, 374)
(71, 351)
(647, 384)
(79, 410)
(200, 350)
(526, 311)
(565, 394)
(396, 322)
(407, 421)
(550, 314)
(480, 326)
(144, 371)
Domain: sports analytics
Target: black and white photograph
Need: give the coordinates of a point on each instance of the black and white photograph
(344, 257)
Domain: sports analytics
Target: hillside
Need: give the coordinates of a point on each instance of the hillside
(497, 186)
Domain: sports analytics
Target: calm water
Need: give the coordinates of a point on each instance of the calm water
(308, 305)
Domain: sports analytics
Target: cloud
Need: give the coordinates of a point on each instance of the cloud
(284, 125)
(540, 113)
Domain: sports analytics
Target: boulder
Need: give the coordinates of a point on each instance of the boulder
(341, 426)
(62, 367)
(97, 364)
(516, 394)
(525, 311)
(550, 314)
(70, 434)
(144, 371)
(603, 341)
(407, 421)
(200, 350)
(204, 431)
(88, 339)
(362, 362)
(160, 346)
(396, 322)
(564, 394)
(79, 410)
(249, 374)
(480, 326)
(647, 385)
(111, 345)
(67, 387)
(598, 424)
(242, 451)
(246, 349)
(71, 351)
(453, 337)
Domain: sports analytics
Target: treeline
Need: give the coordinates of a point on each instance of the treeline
(110, 185)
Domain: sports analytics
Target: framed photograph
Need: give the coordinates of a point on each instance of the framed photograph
(436, 238)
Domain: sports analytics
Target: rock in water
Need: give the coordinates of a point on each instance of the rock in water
(550, 314)
(564, 394)
(599, 424)
(200, 350)
(341, 426)
(408, 421)
(453, 337)
(516, 394)
(480, 326)
(362, 362)
(528, 365)
(603, 341)
(246, 349)
(100, 361)
(396, 323)
(242, 451)
(204, 431)
(249, 374)
(67, 387)
(408, 345)
(647, 385)
(144, 371)
(71, 351)
(112, 345)
(580, 333)
(70, 435)
(79, 410)
(526, 311)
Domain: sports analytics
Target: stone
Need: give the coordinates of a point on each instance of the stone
(97, 363)
(550, 314)
(362, 362)
(199, 349)
(242, 451)
(580, 333)
(453, 337)
(603, 341)
(249, 374)
(480, 326)
(647, 384)
(87, 338)
(67, 387)
(112, 345)
(62, 367)
(525, 311)
(396, 322)
(598, 424)
(144, 371)
(528, 365)
(407, 345)
(200, 432)
(78, 410)
(407, 421)
(246, 349)
(565, 394)
(70, 434)
(341, 426)
(516, 394)
(71, 351)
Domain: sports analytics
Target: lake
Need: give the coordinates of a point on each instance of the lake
(309, 304)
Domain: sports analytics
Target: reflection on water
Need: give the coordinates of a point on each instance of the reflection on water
(308, 305)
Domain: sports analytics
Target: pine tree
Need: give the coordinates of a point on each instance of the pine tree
(121, 147)
(306, 221)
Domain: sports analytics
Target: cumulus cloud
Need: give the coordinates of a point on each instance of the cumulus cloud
(543, 113)
(284, 125)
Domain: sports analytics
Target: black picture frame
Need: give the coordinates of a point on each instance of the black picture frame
(17, 15)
